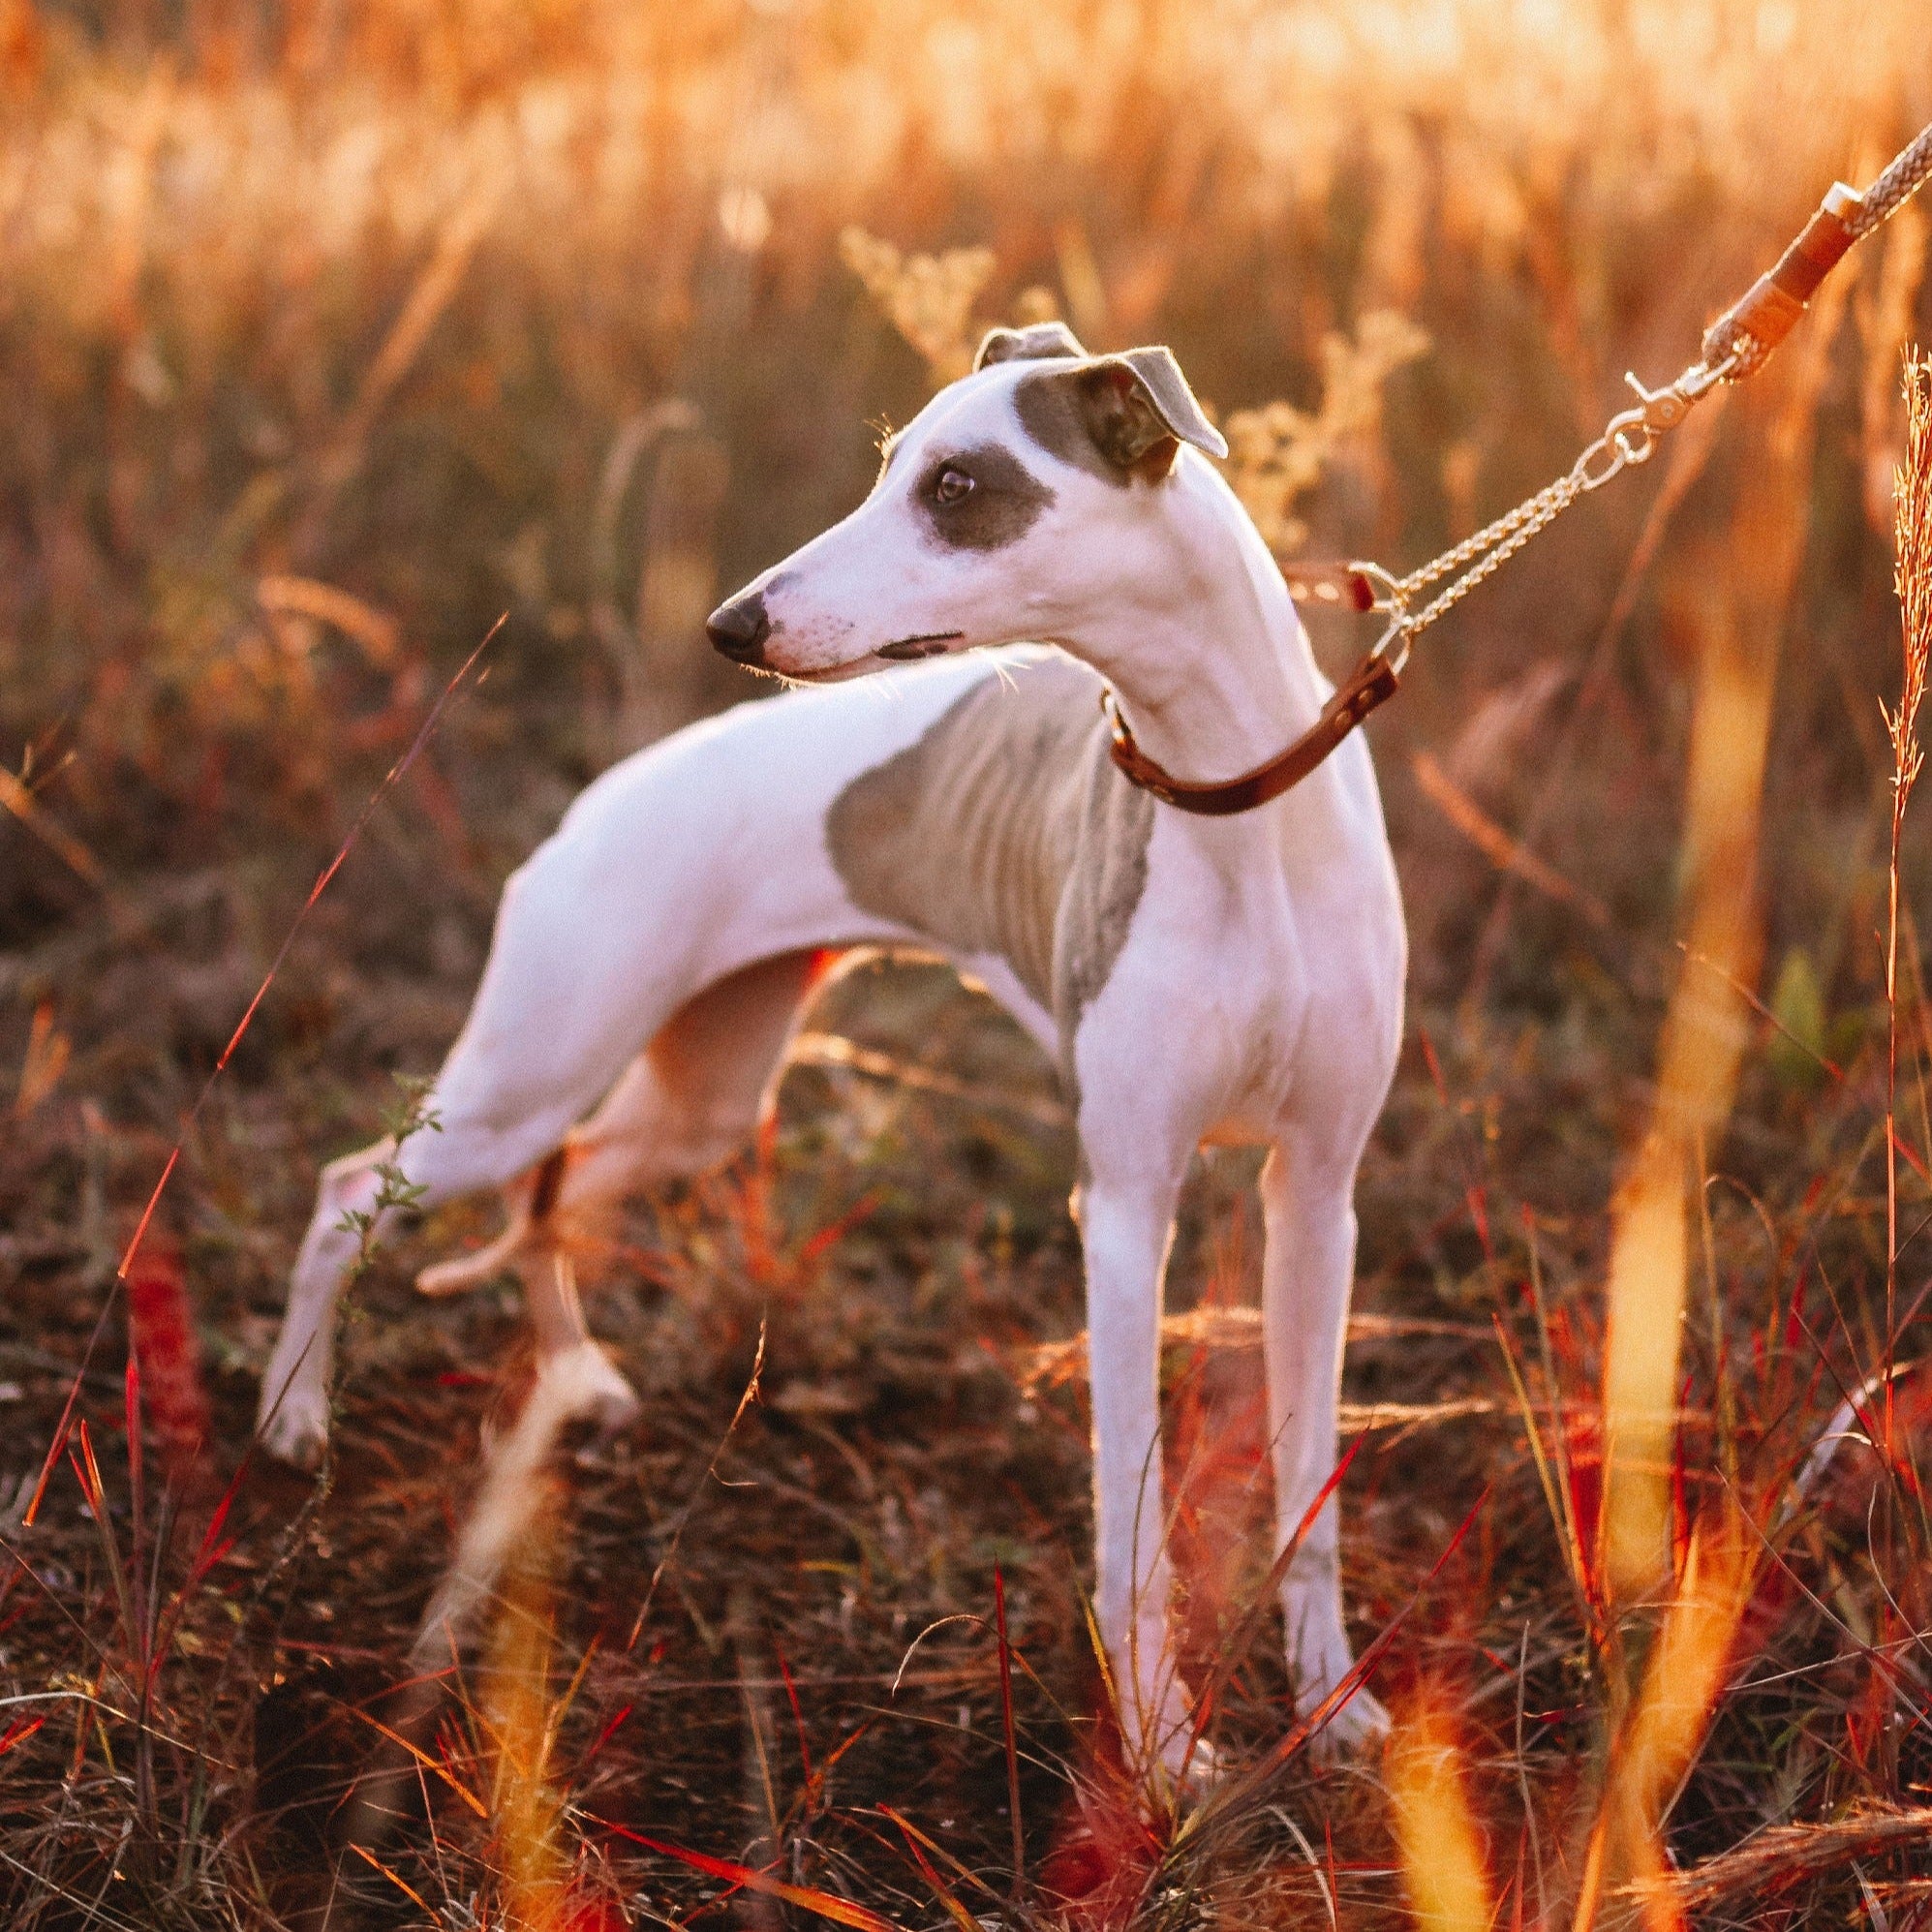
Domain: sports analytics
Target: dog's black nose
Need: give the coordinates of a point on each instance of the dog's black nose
(738, 629)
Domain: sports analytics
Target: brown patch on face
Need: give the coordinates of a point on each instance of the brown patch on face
(1117, 417)
(1000, 501)
(1006, 829)
(1052, 412)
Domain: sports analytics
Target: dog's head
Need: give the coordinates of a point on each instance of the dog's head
(1013, 498)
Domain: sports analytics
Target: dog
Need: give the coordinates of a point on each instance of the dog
(1046, 530)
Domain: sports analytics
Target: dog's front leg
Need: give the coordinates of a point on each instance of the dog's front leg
(1308, 1210)
(1125, 1228)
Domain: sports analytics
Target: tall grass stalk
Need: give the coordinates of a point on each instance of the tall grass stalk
(1733, 620)
(1913, 576)
(1444, 1870)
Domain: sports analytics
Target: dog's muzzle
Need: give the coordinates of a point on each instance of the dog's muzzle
(738, 629)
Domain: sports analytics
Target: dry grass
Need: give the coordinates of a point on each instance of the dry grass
(327, 339)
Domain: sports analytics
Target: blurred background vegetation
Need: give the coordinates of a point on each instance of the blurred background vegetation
(331, 330)
(539, 306)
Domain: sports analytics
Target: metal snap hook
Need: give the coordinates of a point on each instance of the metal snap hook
(1391, 599)
(1387, 587)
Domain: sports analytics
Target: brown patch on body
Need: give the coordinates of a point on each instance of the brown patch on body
(1006, 829)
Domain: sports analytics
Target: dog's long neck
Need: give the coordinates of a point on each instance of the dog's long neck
(1217, 677)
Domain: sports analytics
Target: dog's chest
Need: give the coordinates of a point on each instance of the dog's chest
(1004, 829)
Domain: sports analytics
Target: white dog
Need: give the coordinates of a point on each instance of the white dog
(1194, 979)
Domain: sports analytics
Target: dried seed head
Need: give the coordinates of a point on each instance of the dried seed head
(927, 299)
(1911, 524)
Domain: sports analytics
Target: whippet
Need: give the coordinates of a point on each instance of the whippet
(1193, 979)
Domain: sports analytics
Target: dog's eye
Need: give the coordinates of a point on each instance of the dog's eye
(951, 486)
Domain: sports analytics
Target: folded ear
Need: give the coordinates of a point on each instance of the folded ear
(1139, 407)
(1039, 342)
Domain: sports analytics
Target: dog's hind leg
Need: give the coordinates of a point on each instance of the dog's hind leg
(1308, 1270)
(697, 1093)
(691, 1099)
(465, 1155)
(567, 1352)
(293, 1421)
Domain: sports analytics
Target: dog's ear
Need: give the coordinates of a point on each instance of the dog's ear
(1041, 342)
(1139, 411)
(1119, 416)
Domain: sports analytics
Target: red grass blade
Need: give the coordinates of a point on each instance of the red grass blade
(815, 1247)
(137, 1506)
(414, 1897)
(797, 1718)
(604, 1736)
(87, 1472)
(943, 1892)
(937, 1849)
(66, 1423)
(214, 1548)
(20, 1731)
(428, 1764)
(827, 1905)
(161, 1335)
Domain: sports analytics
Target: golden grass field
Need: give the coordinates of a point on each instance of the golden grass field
(332, 332)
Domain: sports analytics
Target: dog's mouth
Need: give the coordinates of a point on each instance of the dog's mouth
(927, 644)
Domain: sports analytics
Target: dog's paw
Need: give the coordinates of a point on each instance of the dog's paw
(1353, 1730)
(1193, 1766)
(614, 1409)
(296, 1432)
(591, 1388)
(1176, 1765)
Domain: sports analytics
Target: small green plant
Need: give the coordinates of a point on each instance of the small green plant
(408, 1114)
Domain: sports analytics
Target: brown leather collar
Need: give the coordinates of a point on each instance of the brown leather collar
(1372, 683)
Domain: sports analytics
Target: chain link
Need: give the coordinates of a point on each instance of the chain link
(1630, 437)
(1472, 547)
(1550, 506)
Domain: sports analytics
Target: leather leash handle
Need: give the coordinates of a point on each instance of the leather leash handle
(1372, 682)
(1770, 309)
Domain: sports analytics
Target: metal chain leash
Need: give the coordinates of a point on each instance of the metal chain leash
(1631, 438)
(1735, 346)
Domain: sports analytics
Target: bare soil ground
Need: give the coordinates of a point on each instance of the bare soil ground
(329, 334)
(774, 1627)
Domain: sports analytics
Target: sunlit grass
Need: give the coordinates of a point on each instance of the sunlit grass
(325, 345)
